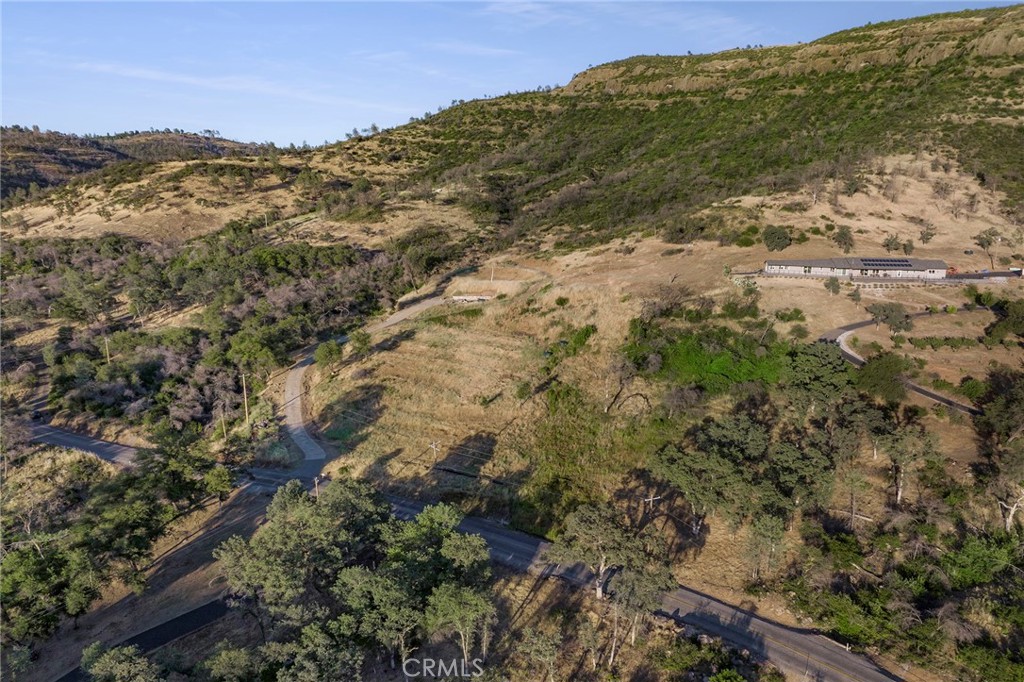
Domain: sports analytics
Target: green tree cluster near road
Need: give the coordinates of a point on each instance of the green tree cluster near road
(758, 434)
(597, 537)
(71, 530)
(334, 582)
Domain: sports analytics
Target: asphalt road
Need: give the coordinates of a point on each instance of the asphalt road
(839, 336)
(165, 632)
(802, 653)
(122, 455)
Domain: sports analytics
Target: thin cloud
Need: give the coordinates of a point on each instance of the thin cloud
(385, 57)
(532, 14)
(472, 49)
(684, 19)
(243, 84)
(404, 63)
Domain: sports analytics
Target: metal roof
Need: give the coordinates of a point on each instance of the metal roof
(867, 263)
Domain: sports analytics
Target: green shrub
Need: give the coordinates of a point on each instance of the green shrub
(327, 353)
(776, 238)
(524, 389)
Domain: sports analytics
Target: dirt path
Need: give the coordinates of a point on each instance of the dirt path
(294, 387)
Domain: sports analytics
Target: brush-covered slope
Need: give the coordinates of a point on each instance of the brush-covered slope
(641, 144)
(47, 158)
(643, 141)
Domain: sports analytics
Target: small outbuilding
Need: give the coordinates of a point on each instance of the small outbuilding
(858, 268)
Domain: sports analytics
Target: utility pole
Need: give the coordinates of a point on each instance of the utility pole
(106, 347)
(650, 501)
(316, 485)
(245, 397)
(434, 445)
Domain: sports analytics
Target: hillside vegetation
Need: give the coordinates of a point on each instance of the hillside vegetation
(34, 160)
(630, 379)
(637, 144)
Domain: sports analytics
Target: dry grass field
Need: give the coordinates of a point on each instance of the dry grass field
(450, 379)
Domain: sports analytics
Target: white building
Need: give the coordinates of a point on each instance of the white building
(858, 268)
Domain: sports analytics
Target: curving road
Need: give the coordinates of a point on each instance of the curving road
(802, 653)
(294, 385)
(839, 334)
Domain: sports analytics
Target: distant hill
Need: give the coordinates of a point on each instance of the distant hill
(46, 158)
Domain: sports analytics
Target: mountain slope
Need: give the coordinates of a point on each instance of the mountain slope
(645, 143)
(641, 142)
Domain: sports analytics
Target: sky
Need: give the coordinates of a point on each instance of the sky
(310, 72)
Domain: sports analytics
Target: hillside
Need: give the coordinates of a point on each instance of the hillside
(34, 160)
(641, 144)
(622, 379)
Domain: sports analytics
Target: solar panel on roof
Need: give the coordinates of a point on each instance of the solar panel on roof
(886, 262)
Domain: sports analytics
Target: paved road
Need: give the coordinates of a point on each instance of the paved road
(165, 632)
(839, 336)
(804, 654)
(121, 455)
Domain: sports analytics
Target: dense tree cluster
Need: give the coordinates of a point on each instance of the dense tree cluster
(66, 538)
(925, 580)
(334, 581)
(258, 302)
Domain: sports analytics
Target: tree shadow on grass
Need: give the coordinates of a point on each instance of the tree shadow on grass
(534, 608)
(394, 341)
(350, 417)
(654, 503)
(467, 457)
(379, 469)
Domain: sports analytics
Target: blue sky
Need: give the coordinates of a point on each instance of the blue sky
(294, 72)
